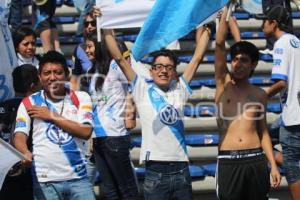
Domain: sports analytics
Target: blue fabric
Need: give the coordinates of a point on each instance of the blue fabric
(171, 20)
(80, 189)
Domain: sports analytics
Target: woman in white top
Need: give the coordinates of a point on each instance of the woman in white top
(25, 45)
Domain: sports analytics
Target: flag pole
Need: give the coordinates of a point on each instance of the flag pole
(98, 23)
(231, 5)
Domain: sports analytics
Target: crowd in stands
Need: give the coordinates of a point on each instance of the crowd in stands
(71, 123)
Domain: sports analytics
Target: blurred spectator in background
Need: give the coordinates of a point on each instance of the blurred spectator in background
(43, 23)
(287, 5)
(25, 45)
(15, 14)
(84, 7)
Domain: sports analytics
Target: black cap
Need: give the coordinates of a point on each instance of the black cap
(279, 14)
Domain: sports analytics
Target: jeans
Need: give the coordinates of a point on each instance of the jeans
(290, 142)
(91, 169)
(167, 180)
(113, 162)
(15, 14)
(78, 189)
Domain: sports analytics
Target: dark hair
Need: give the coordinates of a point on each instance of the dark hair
(20, 34)
(246, 48)
(23, 77)
(280, 15)
(102, 60)
(167, 53)
(53, 57)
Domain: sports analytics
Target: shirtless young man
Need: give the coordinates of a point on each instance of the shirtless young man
(242, 171)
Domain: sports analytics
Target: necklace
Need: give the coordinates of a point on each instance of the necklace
(60, 113)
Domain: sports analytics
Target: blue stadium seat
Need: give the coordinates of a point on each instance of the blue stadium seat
(210, 169)
(241, 15)
(200, 111)
(252, 35)
(202, 139)
(274, 107)
(195, 140)
(260, 80)
(296, 15)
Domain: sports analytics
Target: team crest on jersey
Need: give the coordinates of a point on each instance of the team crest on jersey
(295, 43)
(58, 136)
(168, 115)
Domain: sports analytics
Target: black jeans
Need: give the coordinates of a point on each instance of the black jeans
(114, 164)
(287, 5)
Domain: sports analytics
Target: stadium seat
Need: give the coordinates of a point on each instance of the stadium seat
(202, 139)
(210, 169)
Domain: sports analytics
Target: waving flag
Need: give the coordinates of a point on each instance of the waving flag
(8, 156)
(252, 6)
(172, 19)
(7, 54)
(123, 13)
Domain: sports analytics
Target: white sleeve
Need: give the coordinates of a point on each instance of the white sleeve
(138, 87)
(186, 90)
(140, 69)
(85, 108)
(22, 120)
(281, 61)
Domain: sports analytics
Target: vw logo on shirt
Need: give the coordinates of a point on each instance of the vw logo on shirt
(295, 43)
(58, 136)
(168, 115)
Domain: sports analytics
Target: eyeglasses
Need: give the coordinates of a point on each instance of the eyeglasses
(160, 67)
(93, 23)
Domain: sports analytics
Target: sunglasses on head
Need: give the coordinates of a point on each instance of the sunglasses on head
(93, 23)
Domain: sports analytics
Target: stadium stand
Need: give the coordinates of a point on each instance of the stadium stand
(200, 122)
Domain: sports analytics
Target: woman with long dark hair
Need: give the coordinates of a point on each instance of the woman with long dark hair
(108, 87)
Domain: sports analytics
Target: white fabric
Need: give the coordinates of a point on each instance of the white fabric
(9, 156)
(111, 102)
(51, 161)
(123, 13)
(7, 53)
(158, 141)
(286, 67)
(252, 6)
(22, 60)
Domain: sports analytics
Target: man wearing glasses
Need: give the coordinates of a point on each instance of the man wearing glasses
(160, 105)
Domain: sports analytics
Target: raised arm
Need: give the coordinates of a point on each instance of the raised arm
(202, 43)
(117, 56)
(221, 73)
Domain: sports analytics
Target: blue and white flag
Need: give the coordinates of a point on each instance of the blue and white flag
(252, 6)
(170, 20)
(7, 54)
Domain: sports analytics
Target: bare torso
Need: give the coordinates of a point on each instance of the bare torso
(239, 110)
